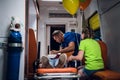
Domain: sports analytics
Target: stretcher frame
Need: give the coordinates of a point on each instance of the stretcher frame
(56, 76)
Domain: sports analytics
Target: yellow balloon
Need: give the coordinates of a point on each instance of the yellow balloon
(71, 6)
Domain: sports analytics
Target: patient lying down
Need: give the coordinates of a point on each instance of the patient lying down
(53, 61)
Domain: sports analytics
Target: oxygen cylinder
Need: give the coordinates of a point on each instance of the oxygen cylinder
(14, 51)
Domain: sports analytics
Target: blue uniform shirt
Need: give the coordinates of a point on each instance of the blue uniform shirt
(71, 37)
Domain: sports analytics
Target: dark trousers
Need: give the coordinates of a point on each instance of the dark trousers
(74, 64)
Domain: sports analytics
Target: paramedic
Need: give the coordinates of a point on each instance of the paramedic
(90, 50)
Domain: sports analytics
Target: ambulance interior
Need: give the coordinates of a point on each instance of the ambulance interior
(39, 18)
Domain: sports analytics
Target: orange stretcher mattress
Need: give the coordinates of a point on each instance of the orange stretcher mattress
(56, 70)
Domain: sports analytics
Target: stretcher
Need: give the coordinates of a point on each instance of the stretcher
(57, 73)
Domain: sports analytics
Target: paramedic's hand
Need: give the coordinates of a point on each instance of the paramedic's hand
(53, 52)
(70, 58)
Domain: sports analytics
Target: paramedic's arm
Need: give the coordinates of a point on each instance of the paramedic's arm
(78, 57)
(70, 48)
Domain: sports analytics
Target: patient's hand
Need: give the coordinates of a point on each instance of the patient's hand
(53, 52)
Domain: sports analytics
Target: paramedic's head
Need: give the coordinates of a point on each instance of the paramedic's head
(58, 36)
(86, 33)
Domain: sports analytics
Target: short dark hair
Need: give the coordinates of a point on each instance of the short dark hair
(56, 32)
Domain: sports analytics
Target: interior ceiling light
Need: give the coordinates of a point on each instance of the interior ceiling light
(52, 0)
